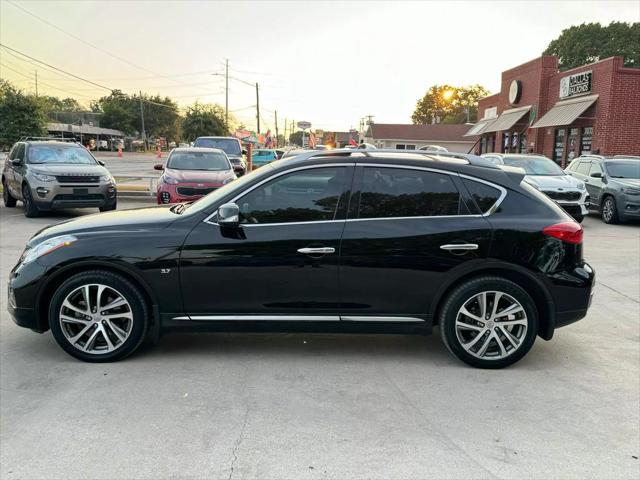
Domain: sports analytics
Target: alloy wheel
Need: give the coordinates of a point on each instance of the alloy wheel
(96, 319)
(607, 210)
(491, 325)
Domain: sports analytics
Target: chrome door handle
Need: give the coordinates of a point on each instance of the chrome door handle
(317, 251)
(459, 246)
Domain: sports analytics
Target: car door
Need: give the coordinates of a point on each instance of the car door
(18, 171)
(408, 229)
(8, 169)
(594, 184)
(281, 260)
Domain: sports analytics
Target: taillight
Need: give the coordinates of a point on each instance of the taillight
(570, 232)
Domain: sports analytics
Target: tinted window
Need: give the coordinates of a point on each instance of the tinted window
(18, 152)
(208, 161)
(628, 169)
(484, 195)
(395, 192)
(230, 146)
(583, 167)
(66, 154)
(303, 196)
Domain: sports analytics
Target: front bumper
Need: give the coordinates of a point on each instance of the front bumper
(22, 291)
(629, 207)
(574, 207)
(54, 195)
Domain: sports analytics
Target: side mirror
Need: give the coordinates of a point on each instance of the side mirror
(596, 175)
(101, 163)
(158, 166)
(229, 215)
(16, 162)
(244, 152)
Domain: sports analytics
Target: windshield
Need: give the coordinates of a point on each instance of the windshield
(230, 146)
(237, 185)
(628, 169)
(208, 161)
(535, 165)
(60, 154)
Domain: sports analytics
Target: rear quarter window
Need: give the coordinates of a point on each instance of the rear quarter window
(485, 196)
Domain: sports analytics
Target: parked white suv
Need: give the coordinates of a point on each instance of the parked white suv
(547, 176)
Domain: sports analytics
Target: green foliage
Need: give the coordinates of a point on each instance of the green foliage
(20, 115)
(296, 138)
(449, 104)
(55, 104)
(590, 42)
(202, 120)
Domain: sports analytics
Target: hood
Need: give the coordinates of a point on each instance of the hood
(554, 182)
(68, 169)
(627, 182)
(199, 176)
(139, 219)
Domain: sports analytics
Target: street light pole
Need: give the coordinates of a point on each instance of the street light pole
(226, 94)
(258, 107)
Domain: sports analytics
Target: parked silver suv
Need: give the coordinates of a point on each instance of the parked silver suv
(53, 174)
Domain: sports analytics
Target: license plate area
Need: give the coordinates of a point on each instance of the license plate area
(80, 191)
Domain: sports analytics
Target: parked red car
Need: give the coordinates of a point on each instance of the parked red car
(191, 173)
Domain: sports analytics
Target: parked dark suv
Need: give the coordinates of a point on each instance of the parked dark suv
(345, 241)
(52, 174)
(613, 184)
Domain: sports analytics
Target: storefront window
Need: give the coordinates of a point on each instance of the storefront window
(523, 143)
(587, 136)
(558, 145)
(572, 144)
(483, 145)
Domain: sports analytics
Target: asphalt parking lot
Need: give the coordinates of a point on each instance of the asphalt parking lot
(328, 406)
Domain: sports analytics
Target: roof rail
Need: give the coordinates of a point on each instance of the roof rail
(474, 160)
(45, 139)
(627, 156)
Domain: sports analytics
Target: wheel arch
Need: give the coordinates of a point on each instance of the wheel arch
(56, 279)
(541, 297)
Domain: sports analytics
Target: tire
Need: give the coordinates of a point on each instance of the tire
(522, 331)
(609, 211)
(104, 339)
(578, 218)
(8, 199)
(109, 207)
(30, 208)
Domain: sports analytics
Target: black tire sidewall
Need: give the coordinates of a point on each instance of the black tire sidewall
(614, 211)
(7, 198)
(122, 285)
(465, 291)
(30, 208)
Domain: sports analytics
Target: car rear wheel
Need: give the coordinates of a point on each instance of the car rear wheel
(98, 316)
(30, 208)
(8, 199)
(489, 322)
(609, 211)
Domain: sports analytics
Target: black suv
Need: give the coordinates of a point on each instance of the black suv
(345, 241)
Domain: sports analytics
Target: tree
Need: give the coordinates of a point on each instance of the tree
(20, 115)
(203, 119)
(161, 117)
(55, 104)
(449, 104)
(296, 138)
(118, 112)
(590, 42)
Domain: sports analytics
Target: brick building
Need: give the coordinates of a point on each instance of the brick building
(593, 108)
(402, 136)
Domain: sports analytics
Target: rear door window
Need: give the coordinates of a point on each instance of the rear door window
(396, 192)
(485, 196)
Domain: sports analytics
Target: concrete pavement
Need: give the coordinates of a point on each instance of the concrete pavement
(309, 406)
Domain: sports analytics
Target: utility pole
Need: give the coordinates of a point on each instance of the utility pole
(226, 94)
(36, 83)
(275, 113)
(144, 134)
(286, 140)
(258, 107)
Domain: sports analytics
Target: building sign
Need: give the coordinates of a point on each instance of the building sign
(578, 84)
(515, 92)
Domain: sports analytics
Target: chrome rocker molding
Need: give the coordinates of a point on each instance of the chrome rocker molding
(299, 318)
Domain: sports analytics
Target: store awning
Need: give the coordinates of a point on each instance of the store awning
(479, 127)
(565, 112)
(507, 119)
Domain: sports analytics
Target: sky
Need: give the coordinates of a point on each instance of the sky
(329, 63)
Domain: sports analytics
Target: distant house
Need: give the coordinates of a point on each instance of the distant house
(411, 137)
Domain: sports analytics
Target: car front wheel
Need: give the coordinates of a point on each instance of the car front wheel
(8, 199)
(98, 316)
(489, 322)
(609, 211)
(30, 208)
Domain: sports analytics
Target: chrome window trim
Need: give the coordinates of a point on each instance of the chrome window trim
(377, 318)
(277, 175)
(503, 192)
(492, 209)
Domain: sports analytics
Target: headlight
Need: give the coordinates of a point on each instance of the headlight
(107, 178)
(228, 180)
(169, 180)
(43, 177)
(47, 247)
(631, 190)
(581, 186)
